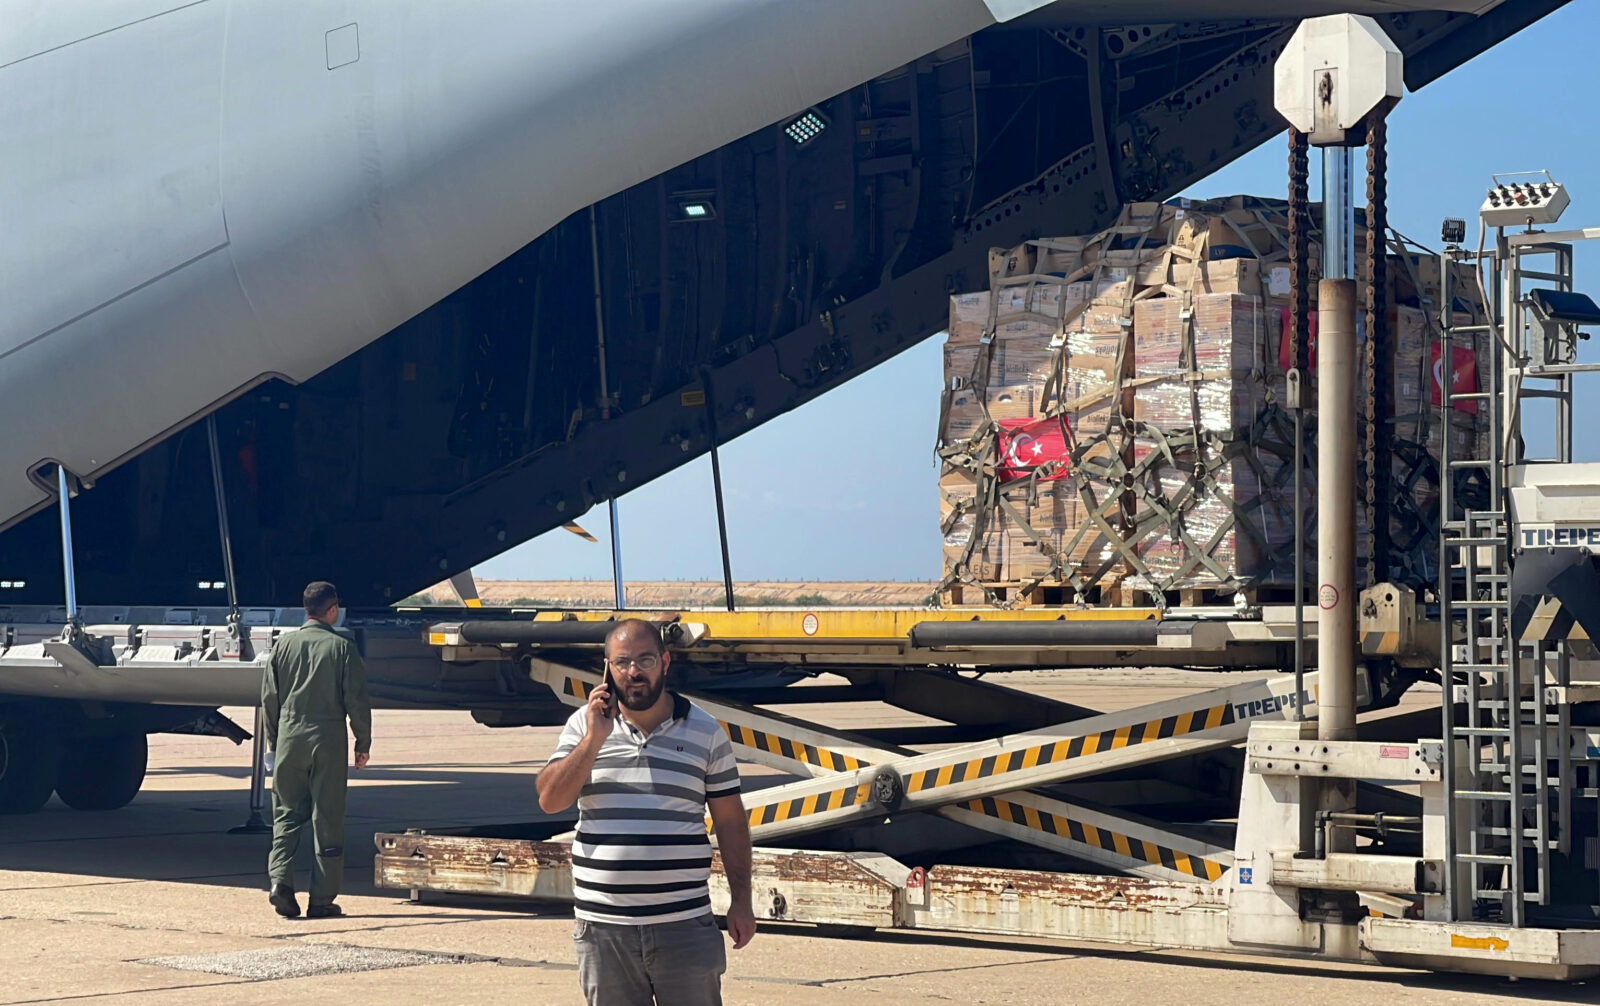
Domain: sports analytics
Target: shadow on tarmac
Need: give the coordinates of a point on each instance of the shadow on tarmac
(182, 835)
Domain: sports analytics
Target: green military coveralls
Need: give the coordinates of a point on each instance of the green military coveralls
(314, 679)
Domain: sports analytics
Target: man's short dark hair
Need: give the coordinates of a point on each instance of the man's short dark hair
(638, 625)
(319, 597)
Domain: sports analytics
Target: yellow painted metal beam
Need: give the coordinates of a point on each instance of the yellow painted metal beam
(848, 624)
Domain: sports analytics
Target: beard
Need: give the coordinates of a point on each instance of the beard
(639, 697)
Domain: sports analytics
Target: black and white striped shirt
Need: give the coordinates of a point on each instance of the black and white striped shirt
(642, 855)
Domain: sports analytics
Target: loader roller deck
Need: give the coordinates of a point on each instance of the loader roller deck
(1221, 637)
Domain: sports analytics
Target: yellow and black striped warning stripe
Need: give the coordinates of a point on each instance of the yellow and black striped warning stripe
(1380, 644)
(808, 754)
(816, 803)
(1073, 747)
(1100, 838)
(803, 806)
(781, 810)
(1552, 622)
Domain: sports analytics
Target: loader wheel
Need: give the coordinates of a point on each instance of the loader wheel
(102, 773)
(28, 756)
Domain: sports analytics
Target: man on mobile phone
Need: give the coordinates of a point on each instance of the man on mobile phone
(645, 765)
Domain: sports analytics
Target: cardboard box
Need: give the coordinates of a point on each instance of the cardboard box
(1032, 308)
(986, 563)
(1091, 388)
(1015, 375)
(1210, 371)
(1008, 262)
(1238, 275)
(969, 317)
(958, 518)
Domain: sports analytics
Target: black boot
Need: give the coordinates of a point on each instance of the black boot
(284, 902)
(328, 911)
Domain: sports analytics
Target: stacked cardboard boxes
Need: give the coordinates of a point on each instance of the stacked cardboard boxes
(1114, 410)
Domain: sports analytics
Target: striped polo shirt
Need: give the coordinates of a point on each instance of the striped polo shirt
(642, 855)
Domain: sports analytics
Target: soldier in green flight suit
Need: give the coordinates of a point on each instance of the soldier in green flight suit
(313, 681)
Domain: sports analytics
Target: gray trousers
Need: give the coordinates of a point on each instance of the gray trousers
(665, 964)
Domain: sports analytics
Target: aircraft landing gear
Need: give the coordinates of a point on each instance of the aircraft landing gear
(29, 754)
(102, 773)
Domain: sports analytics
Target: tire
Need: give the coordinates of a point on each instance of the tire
(28, 757)
(102, 773)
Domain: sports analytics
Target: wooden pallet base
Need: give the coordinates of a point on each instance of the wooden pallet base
(1114, 595)
(1038, 595)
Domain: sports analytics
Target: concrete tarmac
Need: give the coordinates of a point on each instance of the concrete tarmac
(157, 903)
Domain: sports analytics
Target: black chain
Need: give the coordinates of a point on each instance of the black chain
(1299, 288)
(1299, 254)
(1380, 365)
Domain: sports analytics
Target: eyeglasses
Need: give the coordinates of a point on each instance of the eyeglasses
(647, 663)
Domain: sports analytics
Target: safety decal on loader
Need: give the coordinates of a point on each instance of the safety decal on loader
(809, 754)
(1071, 747)
(1085, 833)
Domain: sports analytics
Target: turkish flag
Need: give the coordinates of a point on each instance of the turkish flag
(1286, 344)
(1024, 445)
(1463, 375)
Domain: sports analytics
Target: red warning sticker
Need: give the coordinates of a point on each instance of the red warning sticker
(1328, 596)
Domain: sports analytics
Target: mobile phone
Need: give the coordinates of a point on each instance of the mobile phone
(611, 694)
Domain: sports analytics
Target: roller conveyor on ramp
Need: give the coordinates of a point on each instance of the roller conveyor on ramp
(1214, 637)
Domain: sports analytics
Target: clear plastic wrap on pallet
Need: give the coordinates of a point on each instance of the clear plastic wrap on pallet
(1212, 374)
(1204, 381)
(1223, 516)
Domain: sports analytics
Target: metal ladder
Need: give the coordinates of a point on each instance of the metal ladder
(1511, 805)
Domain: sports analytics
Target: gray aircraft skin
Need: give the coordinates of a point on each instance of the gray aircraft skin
(199, 197)
(202, 196)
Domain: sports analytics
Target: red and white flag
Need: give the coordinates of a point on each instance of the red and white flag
(1025, 445)
(1463, 375)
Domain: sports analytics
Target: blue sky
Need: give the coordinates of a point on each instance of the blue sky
(845, 487)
